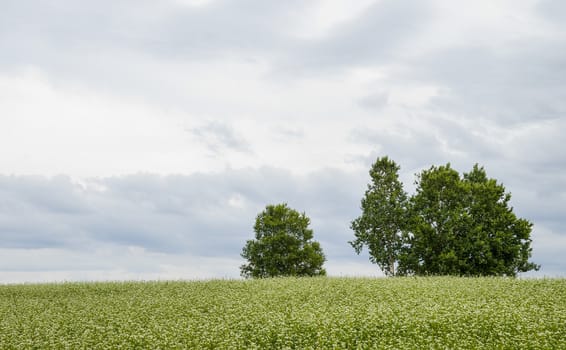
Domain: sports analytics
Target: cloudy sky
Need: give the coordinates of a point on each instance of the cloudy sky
(139, 139)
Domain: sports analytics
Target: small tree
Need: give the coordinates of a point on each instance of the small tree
(383, 218)
(282, 246)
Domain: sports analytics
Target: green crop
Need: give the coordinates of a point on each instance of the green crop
(287, 313)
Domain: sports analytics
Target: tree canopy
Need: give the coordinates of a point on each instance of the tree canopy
(283, 245)
(383, 216)
(452, 225)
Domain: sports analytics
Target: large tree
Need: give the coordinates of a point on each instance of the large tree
(455, 225)
(283, 245)
(437, 235)
(499, 243)
(383, 219)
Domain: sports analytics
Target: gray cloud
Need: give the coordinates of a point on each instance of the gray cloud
(170, 29)
(374, 101)
(166, 28)
(375, 38)
(408, 146)
(141, 47)
(138, 48)
(500, 104)
(285, 133)
(554, 10)
(56, 195)
(199, 216)
(220, 137)
(525, 81)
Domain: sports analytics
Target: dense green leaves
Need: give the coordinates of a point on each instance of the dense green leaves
(452, 225)
(282, 246)
(383, 216)
(288, 313)
(437, 210)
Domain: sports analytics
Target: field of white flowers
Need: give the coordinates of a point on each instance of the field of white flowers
(294, 313)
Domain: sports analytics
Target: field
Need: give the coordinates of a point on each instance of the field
(303, 313)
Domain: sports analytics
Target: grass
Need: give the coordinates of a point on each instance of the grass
(295, 313)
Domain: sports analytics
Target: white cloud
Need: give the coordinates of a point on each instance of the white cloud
(323, 16)
(115, 263)
(192, 226)
(193, 2)
(149, 226)
(274, 94)
(51, 131)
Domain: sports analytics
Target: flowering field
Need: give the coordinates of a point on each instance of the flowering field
(304, 313)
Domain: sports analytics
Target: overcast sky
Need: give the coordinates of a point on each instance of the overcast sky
(139, 139)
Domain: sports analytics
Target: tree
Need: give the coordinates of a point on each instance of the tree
(500, 243)
(282, 246)
(452, 225)
(383, 218)
(465, 226)
(437, 211)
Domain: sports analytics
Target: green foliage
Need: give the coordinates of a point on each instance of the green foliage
(452, 225)
(437, 210)
(287, 313)
(383, 218)
(282, 246)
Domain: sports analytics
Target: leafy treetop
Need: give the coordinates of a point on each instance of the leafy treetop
(452, 225)
(282, 246)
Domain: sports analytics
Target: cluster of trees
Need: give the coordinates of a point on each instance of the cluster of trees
(453, 225)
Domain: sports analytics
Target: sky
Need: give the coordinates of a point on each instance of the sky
(140, 139)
